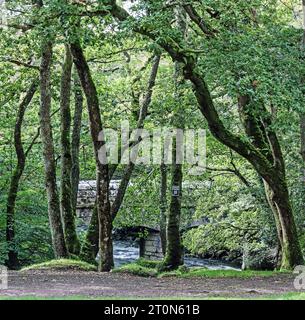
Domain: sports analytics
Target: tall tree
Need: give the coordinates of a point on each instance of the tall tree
(13, 262)
(58, 239)
(269, 171)
(66, 205)
(174, 251)
(102, 169)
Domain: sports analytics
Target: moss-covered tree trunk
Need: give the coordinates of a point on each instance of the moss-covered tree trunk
(270, 198)
(12, 261)
(163, 206)
(291, 251)
(259, 129)
(75, 141)
(66, 208)
(90, 246)
(102, 171)
(106, 262)
(174, 251)
(58, 239)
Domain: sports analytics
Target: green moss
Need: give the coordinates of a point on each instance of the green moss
(142, 268)
(148, 263)
(137, 270)
(62, 264)
(146, 268)
(287, 296)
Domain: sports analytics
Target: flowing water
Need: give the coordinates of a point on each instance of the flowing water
(127, 252)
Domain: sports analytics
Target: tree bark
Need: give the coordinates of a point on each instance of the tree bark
(259, 129)
(163, 206)
(75, 143)
(58, 240)
(291, 251)
(257, 133)
(102, 170)
(271, 201)
(174, 251)
(66, 208)
(13, 262)
(90, 246)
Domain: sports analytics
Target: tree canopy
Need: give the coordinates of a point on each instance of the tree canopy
(69, 69)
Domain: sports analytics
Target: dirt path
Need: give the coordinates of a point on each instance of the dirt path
(59, 284)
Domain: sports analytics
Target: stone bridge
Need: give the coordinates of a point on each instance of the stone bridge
(150, 246)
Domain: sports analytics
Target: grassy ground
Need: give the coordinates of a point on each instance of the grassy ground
(80, 283)
(62, 264)
(287, 296)
(146, 268)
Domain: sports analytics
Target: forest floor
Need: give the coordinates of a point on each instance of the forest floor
(63, 284)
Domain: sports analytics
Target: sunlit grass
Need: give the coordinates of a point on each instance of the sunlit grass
(137, 270)
(62, 264)
(145, 268)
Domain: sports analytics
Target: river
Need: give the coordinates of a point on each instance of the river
(127, 252)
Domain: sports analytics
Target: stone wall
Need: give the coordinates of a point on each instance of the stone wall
(150, 247)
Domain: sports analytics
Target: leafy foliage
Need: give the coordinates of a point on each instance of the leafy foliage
(255, 51)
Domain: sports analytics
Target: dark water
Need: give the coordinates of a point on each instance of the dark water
(128, 252)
